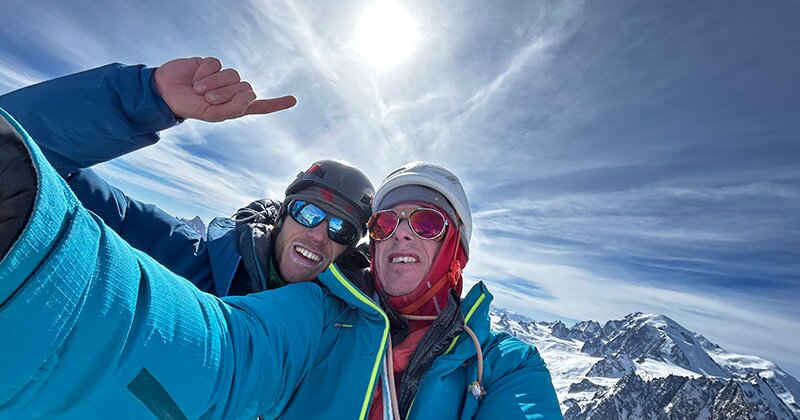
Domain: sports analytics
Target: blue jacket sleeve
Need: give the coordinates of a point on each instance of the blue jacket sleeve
(522, 387)
(147, 228)
(91, 117)
(87, 322)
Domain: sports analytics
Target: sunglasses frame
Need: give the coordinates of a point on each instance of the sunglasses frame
(327, 217)
(400, 218)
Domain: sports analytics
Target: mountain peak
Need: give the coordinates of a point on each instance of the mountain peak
(656, 320)
(649, 366)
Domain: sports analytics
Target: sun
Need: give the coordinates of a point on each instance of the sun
(386, 34)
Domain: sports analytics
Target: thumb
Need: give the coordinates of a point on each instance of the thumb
(267, 106)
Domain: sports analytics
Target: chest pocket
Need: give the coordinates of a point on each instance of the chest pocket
(342, 372)
(348, 331)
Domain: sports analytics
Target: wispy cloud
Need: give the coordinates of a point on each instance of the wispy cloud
(524, 60)
(14, 76)
(617, 158)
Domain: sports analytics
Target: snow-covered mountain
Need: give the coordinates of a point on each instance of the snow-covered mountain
(650, 367)
(196, 224)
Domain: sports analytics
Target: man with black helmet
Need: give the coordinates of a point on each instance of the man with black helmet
(323, 215)
(265, 245)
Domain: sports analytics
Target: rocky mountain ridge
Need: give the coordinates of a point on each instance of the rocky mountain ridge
(647, 366)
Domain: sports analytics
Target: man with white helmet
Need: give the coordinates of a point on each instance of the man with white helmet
(442, 359)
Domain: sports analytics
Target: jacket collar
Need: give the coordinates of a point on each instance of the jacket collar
(475, 308)
(340, 285)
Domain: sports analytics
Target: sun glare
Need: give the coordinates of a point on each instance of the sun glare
(385, 34)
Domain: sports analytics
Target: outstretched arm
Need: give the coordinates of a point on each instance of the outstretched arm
(147, 228)
(94, 116)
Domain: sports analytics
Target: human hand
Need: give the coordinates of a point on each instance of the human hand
(198, 88)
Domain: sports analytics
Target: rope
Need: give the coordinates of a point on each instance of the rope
(475, 388)
(247, 214)
(392, 388)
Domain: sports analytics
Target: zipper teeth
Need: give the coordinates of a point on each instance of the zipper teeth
(357, 293)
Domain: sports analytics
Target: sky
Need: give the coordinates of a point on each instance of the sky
(618, 156)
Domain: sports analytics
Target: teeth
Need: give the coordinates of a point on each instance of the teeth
(405, 259)
(308, 254)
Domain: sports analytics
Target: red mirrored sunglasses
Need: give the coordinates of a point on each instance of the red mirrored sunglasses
(426, 223)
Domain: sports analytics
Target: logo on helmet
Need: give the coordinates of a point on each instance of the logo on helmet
(317, 170)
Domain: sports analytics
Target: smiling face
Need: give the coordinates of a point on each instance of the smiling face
(302, 253)
(403, 260)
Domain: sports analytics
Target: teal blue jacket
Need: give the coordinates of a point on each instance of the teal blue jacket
(90, 324)
(515, 378)
(91, 327)
(336, 371)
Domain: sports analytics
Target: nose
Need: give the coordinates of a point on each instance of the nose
(318, 233)
(403, 231)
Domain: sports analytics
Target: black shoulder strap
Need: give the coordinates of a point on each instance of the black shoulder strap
(152, 394)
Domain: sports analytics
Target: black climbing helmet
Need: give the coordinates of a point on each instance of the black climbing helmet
(344, 180)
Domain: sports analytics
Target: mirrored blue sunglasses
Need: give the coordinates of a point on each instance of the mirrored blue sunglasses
(309, 215)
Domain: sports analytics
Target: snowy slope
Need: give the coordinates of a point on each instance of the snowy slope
(649, 366)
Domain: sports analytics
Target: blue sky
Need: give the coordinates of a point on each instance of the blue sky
(619, 157)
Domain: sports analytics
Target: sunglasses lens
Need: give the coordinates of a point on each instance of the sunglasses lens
(382, 224)
(342, 232)
(427, 223)
(307, 214)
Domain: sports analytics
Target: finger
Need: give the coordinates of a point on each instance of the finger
(266, 106)
(207, 66)
(217, 80)
(233, 108)
(225, 93)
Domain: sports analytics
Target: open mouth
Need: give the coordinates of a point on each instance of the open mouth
(403, 257)
(308, 254)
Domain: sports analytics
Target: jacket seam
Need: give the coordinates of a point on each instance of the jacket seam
(229, 283)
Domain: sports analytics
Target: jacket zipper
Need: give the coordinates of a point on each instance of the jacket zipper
(376, 367)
